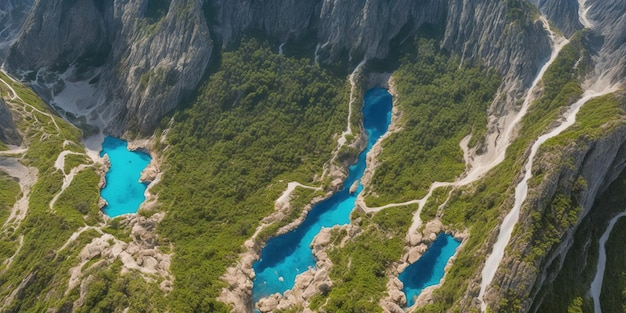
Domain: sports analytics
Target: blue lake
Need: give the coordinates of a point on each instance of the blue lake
(429, 269)
(123, 191)
(290, 254)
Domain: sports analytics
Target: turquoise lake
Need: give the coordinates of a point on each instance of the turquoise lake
(123, 191)
(290, 254)
(429, 269)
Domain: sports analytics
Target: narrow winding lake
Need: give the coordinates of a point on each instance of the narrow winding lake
(290, 254)
(123, 191)
(429, 269)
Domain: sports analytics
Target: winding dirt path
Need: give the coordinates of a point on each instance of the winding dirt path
(16, 96)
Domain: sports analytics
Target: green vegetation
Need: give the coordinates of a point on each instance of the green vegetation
(431, 208)
(80, 199)
(570, 288)
(43, 231)
(478, 206)
(41, 267)
(359, 271)
(441, 102)
(613, 295)
(74, 160)
(520, 12)
(561, 87)
(9, 193)
(301, 198)
(111, 292)
(260, 118)
(597, 117)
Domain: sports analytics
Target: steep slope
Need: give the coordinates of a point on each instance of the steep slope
(8, 133)
(125, 64)
(151, 57)
(152, 54)
(12, 16)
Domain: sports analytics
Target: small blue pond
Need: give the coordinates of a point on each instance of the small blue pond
(290, 254)
(429, 269)
(123, 191)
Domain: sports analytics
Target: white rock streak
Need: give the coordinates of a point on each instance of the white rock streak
(342, 139)
(596, 284)
(477, 166)
(27, 177)
(521, 192)
(582, 14)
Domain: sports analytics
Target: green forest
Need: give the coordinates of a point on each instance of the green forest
(260, 121)
(441, 101)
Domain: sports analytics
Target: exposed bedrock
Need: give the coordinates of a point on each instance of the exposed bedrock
(151, 57)
(581, 172)
(12, 16)
(8, 132)
(154, 53)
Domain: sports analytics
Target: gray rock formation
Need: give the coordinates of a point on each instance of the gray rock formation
(150, 61)
(8, 132)
(563, 13)
(51, 39)
(12, 16)
(153, 55)
(598, 163)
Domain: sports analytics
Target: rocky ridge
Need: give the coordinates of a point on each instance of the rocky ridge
(8, 132)
(152, 58)
(598, 163)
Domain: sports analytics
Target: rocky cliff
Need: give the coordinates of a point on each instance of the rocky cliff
(146, 57)
(8, 133)
(153, 54)
(12, 16)
(580, 172)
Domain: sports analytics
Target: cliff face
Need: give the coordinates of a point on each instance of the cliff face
(148, 56)
(12, 16)
(531, 261)
(152, 54)
(50, 39)
(8, 132)
(563, 13)
(580, 172)
(151, 57)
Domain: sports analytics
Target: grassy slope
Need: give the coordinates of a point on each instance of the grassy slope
(43, 231)
(9, 193)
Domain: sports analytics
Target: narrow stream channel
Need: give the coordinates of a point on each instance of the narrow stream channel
(286, 256)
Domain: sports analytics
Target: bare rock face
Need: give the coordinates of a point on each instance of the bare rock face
(152, 70)
(597, 162)
(65, 31)
(12, 16)
(8, 132)
(151, 60)
(563, 13)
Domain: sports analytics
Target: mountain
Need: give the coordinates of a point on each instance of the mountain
(507, 132)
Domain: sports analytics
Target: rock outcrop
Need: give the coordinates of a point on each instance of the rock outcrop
(8, 132)
(595, 163)
(151, 58)
(12, 16)
(153, 54)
